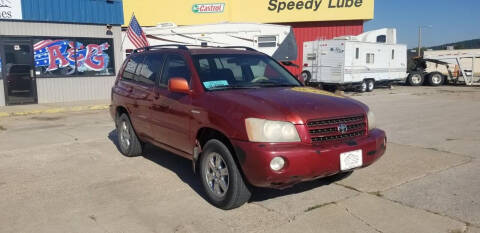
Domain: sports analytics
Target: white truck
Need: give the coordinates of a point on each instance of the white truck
(277, 41)
(359, 62)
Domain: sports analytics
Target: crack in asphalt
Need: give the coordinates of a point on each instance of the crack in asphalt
(430, 211)
(362, 220)
(430, 173)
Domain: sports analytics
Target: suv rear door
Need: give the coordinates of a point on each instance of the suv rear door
(132, 93)
(147, 75)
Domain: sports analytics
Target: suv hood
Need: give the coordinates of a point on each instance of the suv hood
(294, 104)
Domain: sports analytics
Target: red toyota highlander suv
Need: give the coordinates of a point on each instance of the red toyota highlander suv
(241, 118)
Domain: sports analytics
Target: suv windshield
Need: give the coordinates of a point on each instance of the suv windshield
(239, 71)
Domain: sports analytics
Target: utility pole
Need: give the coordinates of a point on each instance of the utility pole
(420, 38)
(419, 41)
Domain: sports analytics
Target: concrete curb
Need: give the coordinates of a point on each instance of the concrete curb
(54, 110)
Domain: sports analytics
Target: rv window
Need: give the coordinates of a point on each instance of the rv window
(381, 39)
(267, 41)
(357, 53)
(393, 54)
(370, 58)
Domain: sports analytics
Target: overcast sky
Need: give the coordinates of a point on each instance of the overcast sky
(451, 20)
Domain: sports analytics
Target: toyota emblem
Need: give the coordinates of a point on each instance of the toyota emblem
(342, 128)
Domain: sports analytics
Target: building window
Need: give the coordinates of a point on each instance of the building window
(370, 58)
(357, 53)
(60, 57)
(94, 57)
(267, 41)
(54, 57)
(393, 54)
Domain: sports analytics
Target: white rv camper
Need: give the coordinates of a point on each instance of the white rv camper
(277, 41)
(361, 61)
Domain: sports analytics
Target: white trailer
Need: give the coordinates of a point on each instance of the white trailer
(361, 62)
(277, 41)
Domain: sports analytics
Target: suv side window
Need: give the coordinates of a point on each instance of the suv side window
(150, 69)
(176, 66)
(131, 67)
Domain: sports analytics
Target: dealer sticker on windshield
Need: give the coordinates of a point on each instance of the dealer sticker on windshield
(216, 83)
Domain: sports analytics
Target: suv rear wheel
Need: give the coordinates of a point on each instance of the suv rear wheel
(222, 181)
(128, 142)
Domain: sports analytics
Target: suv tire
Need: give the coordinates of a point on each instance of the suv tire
(221, 179)
(128, 142)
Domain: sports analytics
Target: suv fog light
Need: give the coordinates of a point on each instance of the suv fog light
(277, 163)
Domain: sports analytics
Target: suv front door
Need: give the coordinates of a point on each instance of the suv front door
(171, 112)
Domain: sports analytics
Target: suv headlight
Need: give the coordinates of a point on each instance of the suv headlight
(261, 130)
(371, 120)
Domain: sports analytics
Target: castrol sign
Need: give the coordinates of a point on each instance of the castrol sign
(208, 8)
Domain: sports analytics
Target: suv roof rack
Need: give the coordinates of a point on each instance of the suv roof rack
(239, 47)
(185, 47)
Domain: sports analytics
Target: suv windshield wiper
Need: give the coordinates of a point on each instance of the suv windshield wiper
(274, 84)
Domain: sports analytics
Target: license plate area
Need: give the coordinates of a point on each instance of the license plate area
(350, 160)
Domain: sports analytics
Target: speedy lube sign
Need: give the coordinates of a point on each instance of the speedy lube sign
(191, 12)
(305, 10)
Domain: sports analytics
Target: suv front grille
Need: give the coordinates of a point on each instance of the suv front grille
(329, 130)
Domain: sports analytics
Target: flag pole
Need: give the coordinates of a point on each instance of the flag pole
(123, 40)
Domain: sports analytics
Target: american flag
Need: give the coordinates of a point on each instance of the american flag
(136, 34)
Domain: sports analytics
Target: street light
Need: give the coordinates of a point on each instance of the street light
(420, 37)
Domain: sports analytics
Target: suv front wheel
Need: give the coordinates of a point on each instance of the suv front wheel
(128, 142)
(222, 181)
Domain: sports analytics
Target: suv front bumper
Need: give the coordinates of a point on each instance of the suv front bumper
(303, 161)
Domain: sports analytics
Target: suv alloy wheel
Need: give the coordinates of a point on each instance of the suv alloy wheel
(128, 142)
(221, 179)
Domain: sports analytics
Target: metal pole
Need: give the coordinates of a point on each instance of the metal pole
(123, 40)
(419, 40)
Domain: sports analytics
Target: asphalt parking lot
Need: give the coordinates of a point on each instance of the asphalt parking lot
(63, 173)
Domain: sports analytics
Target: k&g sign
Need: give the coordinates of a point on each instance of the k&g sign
(10, 9)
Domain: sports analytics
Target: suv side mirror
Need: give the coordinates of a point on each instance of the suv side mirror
(179, 85)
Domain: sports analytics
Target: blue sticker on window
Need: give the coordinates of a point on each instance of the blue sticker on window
(217, 83)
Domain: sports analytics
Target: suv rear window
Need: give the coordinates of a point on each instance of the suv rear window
(131, 68)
